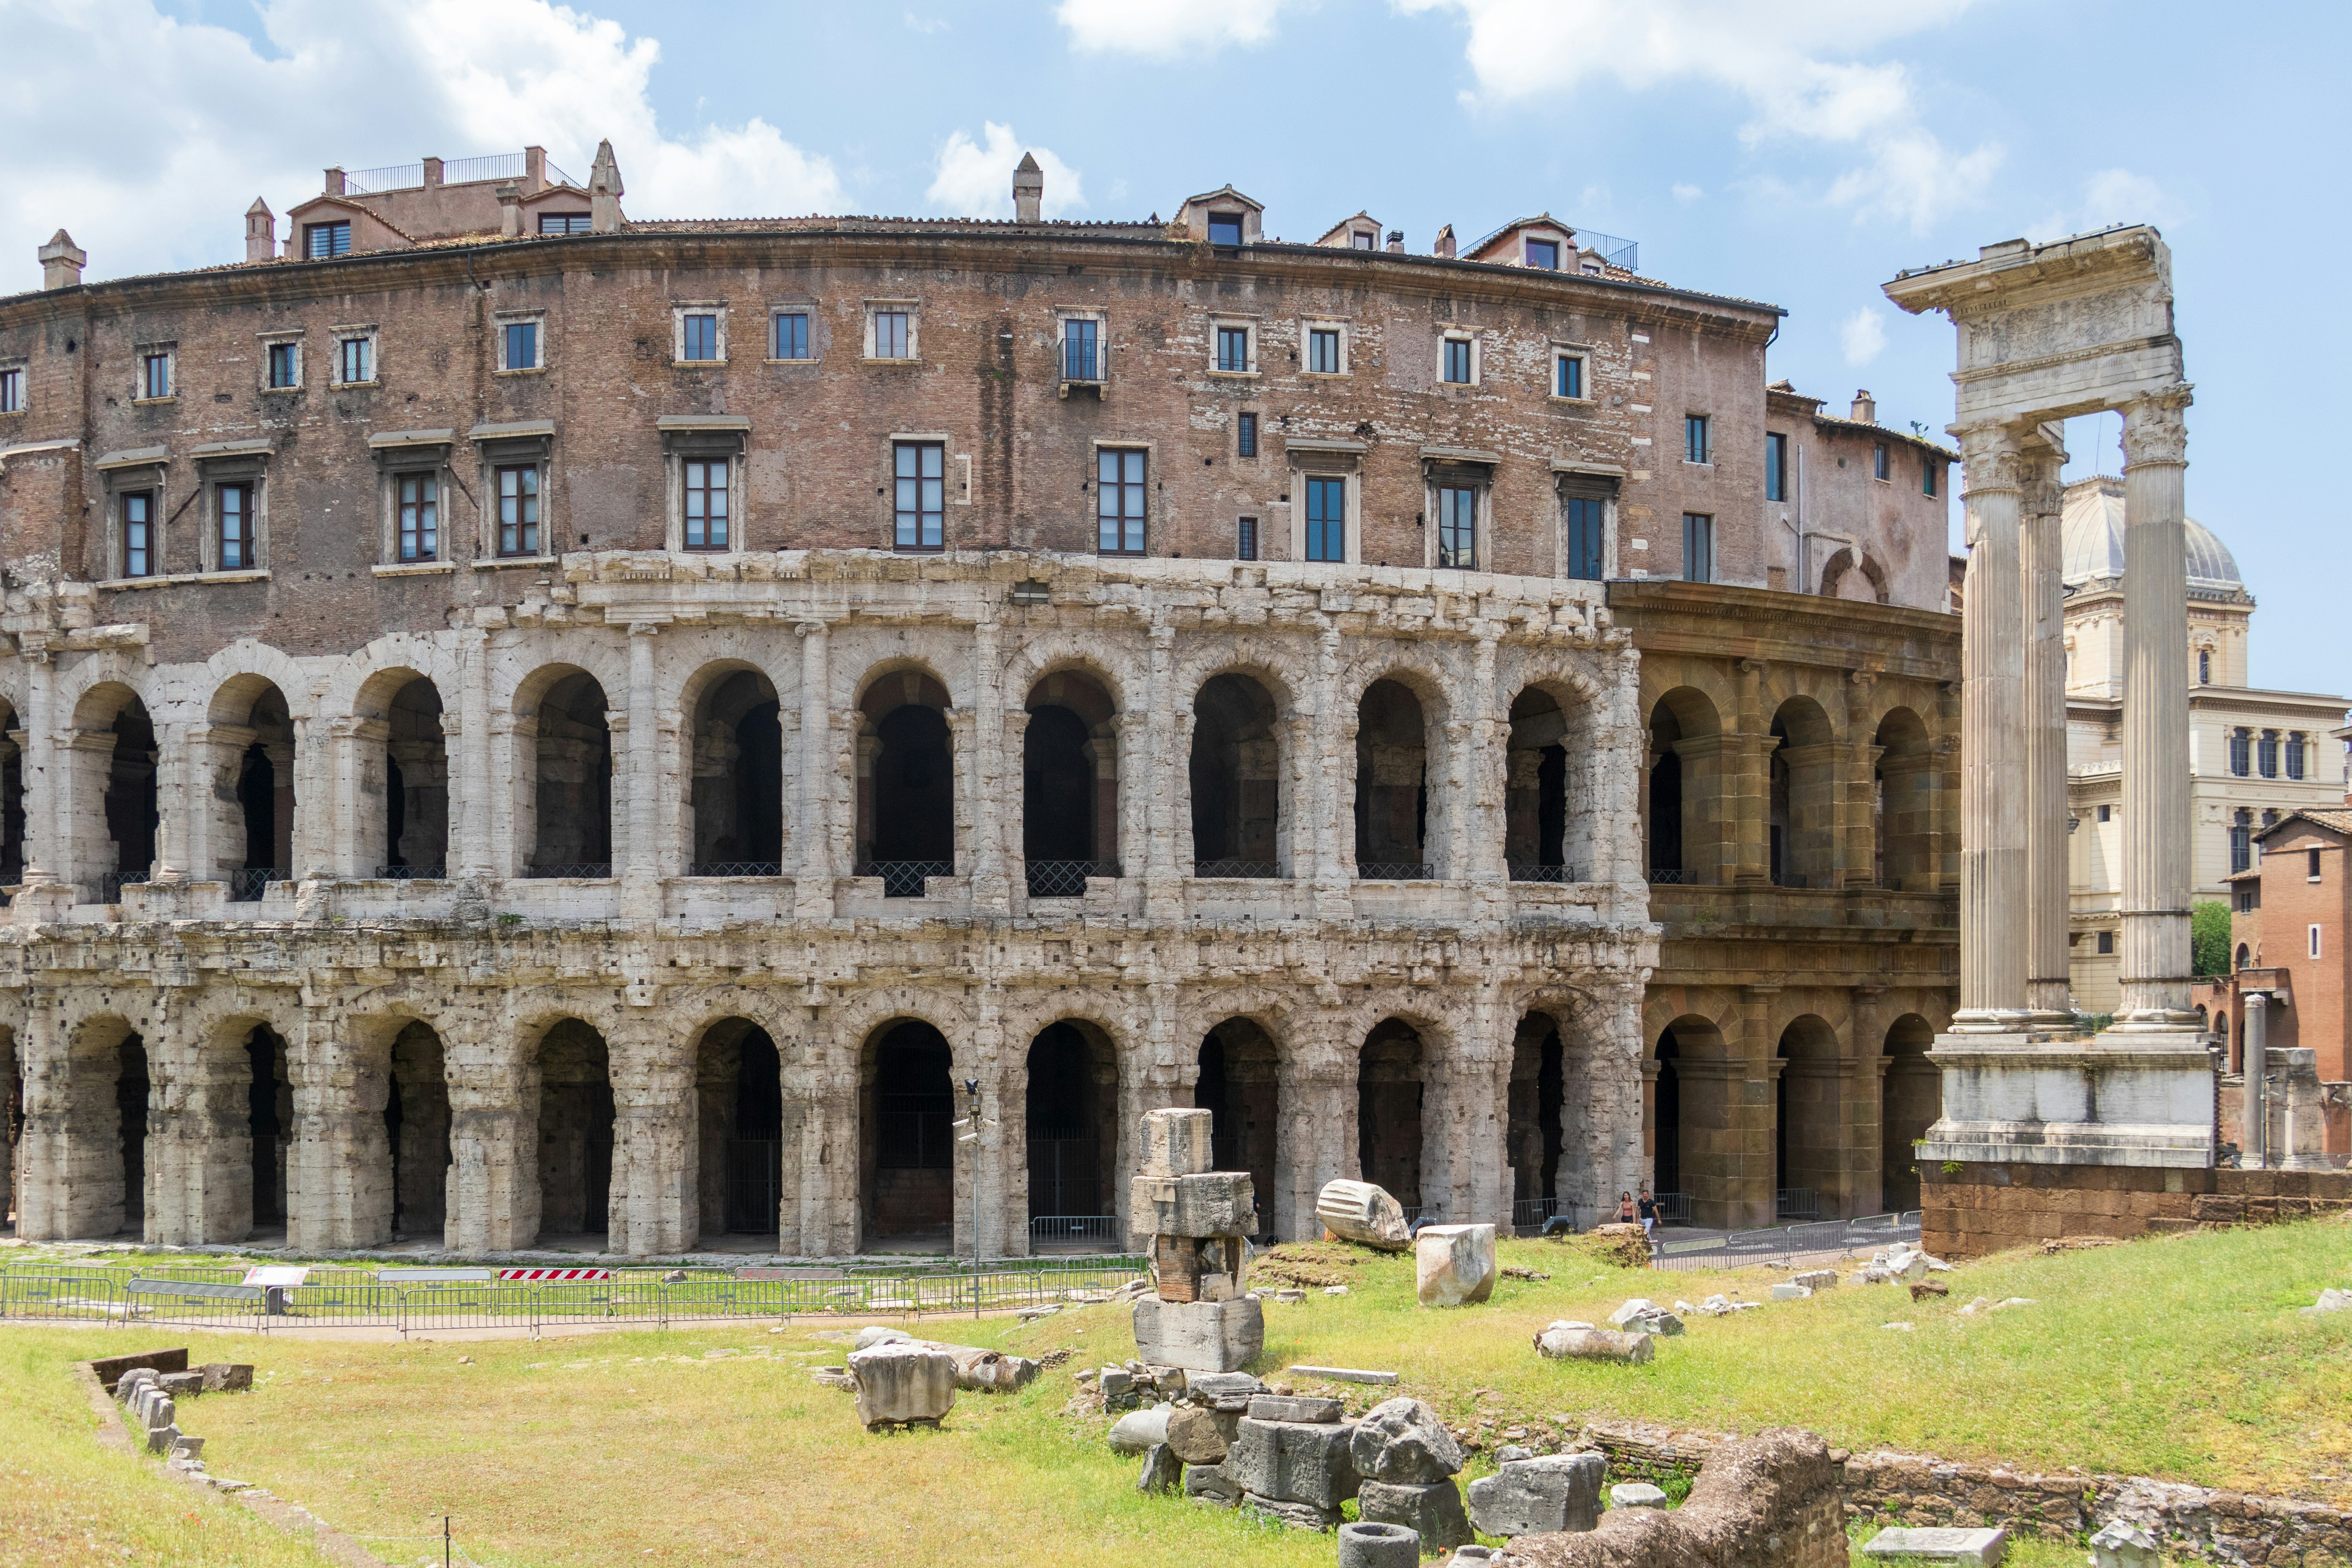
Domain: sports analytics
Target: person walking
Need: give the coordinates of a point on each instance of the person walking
(1648, 1207)
(1624, 1208)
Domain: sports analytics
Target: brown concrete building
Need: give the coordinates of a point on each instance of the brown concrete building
(626, 726)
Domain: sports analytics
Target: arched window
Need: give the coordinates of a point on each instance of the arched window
(2245, 956)
(2266, 755)
(2204, 666)
(2295, 755)
(2240, 752)
(2241, 843)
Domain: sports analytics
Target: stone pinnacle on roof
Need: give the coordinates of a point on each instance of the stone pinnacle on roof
(1028, 190)
(604, 191)
(61, 262)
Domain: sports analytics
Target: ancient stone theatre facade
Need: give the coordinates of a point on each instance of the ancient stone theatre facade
(527, 727)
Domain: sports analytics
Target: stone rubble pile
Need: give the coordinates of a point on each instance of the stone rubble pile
(1584, 1342)
(1643, 1316)
(1406, 1461)
(1532, 1495)
(2330, 1301)
(1717, 1306)
(1201, 1315)
(151, 1399)
(978, 1370)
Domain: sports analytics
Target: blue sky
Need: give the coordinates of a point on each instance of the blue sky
(1799, 152)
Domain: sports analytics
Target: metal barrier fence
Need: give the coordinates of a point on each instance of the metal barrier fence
(1829, 1237)
(422, 1300)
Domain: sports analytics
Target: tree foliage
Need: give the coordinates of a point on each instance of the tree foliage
(2209, 937)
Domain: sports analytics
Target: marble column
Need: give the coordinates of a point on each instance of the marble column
(2048, 902)
(2155, 949)
(815, 771)
(638, 848)
(1993, 740)
(471, 813)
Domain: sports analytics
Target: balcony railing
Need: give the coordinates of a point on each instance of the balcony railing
(246, 885)
(1393, 871)
(1066, 878)
(585, 871)
(110, 887)
(392, 177)
(497, 167)
(1081, 362)
(1529, 871)
(411, 873)
(904, 878)
(1669, 876)
(736, 868)
(1259, 868)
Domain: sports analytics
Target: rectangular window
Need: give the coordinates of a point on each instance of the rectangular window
(2242, 751)
(1584, 538)
(356, 354)
(12, 390)
(1878, 461)
(420, 517)
(155, 375)
(701, 337)
(2107, 813)
(792, 336)
(2242, 847)
(1078, 345)
(1327, 520)
(2294, 755)
(2311, 865)
(1458, 528)
(138, 534)
(1695, 438)
(2245, 900)
(1246, 436)
(1927, 467)
(565, 223)
(1544, 254)
(285, 364)
(236, 541)
(1698, 547)
(523, 345)
(706, 504)
(2315, 942)
(1226, 230)
(2106, 943)
(1118, 503)
(2266, 755)
(1323, 351)
(1776, 467)
(518, 509)
(1568, 377)
(1457, 360)
(1364, 240)
(1233, 348)
(320, 241)
(891, 334)
(920, 470)
(1245, 539)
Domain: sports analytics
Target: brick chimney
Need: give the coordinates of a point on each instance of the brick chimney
(604, 191)
(510, 211)
(334, 186)
(534, 169)
(61, 262)
(260, 232)
(1396, 241)
(432, 172)
(1443, 244)
(1865, 407)
(1028, 190)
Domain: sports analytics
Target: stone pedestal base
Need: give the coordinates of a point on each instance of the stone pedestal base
(1199, 1336)
(2142, 1098)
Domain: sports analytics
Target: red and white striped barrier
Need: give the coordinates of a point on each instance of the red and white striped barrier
(556, 1276)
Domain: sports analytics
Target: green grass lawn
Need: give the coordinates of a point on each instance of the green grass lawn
(2181, 1358)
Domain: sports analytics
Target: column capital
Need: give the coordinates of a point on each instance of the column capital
(1992, 458)
(2155, 429)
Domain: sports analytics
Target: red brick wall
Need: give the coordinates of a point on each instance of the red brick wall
(2291, 904)
(1982, 1209)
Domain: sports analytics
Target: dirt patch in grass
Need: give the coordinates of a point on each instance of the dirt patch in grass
(1307, 1264)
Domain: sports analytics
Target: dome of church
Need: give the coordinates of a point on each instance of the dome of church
(2092, 529)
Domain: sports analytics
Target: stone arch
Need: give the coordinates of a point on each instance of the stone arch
(254, 748)
(735, 772)
(1401, 757)
(1070, 1116)
(111, 803)
(402, 816)
(1694, 1127)
(1912, 1099)
(1552, 785)
(1903, 808)
(108, 1128)
(13, 837)
(1240, 810)
(1030, 662)
(568, 1101)
(738, 1152)
(566, 812)
(1238, 1080)
(1392, 1073)
(12, 1131)
(1808, 1140)
(1801, 844)
(1070, 766)
(1535, 1137)
(1854, 574)
(1684, 814)
(907, 1105)
(417, 1126)
(908, 819)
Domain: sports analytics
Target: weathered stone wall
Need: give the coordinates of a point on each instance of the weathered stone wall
(1766, 1501)
(1982, 1208)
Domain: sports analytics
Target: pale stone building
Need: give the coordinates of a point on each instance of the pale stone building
(2255, 756)
(619, 733)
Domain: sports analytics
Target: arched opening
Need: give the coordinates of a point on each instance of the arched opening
(738, 1090)
(269, 1126)
(1536, 833)
(1802, 842)
(417, 784)
(1392, 784)
(737, 793)
(1535, 1136)
(1684, 804)
(416, 1132)
(1388, 1111)
(2245, 956)
(113, 762)
(1914, 1099)
(12, 798)
(107, 1131)
(256, 846)
(1070, 785)
(1237, 780)
(1666, 1134)
(905, 1111)
(1903, 805)
(12, 1126)
(906, 783)
(1809, 1144)
(1072, 1108)
(131, 1091)
(1704, 1161)
(1240, 1086)
(572, 773)
(575, 1135)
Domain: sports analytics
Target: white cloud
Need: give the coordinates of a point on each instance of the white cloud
(1792, 70)
(1688, 193)
(928, 24)
(975, 178)
(1165, 28)
(2110, 196)
(1863, 335)
(162, 178)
